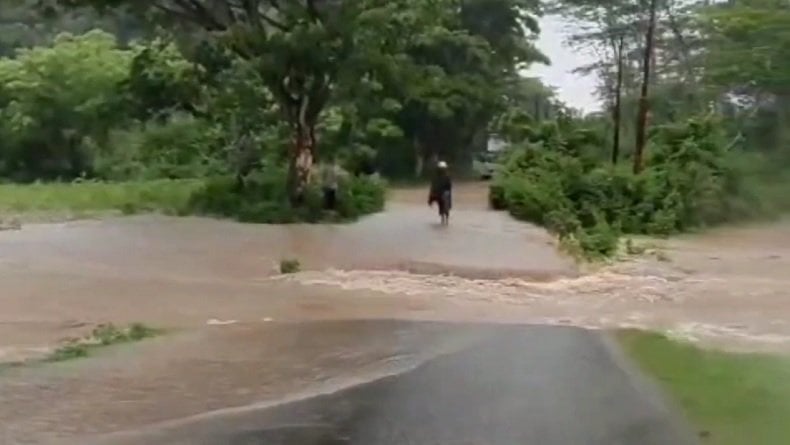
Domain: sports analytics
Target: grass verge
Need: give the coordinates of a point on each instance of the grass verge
(733, 399)
(101, 336)
(89, 197)
(264, 200)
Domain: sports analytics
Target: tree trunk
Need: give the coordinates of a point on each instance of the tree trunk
(302, 154)
(783, 121)
(618, 95)
(300, 165)
(685, 51)
(641, 120)
(419, 164)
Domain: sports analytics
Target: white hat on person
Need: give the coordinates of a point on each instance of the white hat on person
(442, 164)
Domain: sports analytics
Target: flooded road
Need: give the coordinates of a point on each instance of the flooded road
(59, 279)
(500, 386)
(249, 331)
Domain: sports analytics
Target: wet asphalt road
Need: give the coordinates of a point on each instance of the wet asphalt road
(511, 385)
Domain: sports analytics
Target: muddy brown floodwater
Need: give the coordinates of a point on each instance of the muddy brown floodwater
(238, 324)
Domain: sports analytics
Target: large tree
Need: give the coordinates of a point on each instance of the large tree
(463, 75)
(644, 106)
(616, 30)
(302, 49)
(610, 30)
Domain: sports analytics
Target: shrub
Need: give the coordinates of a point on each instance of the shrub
(496, 196)
(690, 180)
(56, 97)
(109, 334)
(600, 240)
(361, 195)
(179, 147)
(290, 266)
(262, 198)
(68, 351)
(102, 335)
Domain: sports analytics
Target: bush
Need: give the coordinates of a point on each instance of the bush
(102, 335)
(179, 147)
(54, 98)
(496, 196)
(691, 180)
(262, 198)
(359, 196)
(290, 266)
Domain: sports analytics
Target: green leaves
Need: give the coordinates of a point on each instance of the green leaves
(749, 46)
(394, 73)
(161, 81)
(58, 96)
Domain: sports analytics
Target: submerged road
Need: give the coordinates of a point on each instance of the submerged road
(511, 385)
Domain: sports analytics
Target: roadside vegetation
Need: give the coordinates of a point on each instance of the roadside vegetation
(263, 199)
(101, 336)
(100, 111)
(690, 181)
(732, 399)
(179, 108)
(693, 132)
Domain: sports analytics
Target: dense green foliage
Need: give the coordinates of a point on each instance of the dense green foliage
(692, 179)
(242, 103)
(264, 200)
(226, 93)
(718, 145)
(56, 98)
(727, 56)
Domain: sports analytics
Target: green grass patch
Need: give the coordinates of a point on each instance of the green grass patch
(87, 197)
(733, 399)
(101, 336)
(263, 200)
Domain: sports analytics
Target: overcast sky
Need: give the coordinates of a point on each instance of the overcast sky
(573, 89)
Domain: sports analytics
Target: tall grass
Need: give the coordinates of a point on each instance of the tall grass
(87, 197)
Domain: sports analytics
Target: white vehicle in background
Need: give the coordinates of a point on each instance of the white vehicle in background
(485, 164)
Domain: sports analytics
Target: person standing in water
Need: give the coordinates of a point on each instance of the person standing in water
(442, 192)
(330, 178)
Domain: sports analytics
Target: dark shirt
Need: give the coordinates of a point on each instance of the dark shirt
(441, 183)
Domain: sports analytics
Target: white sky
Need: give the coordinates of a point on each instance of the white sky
(573, 89)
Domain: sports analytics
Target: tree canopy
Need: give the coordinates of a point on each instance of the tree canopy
(443, 62)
